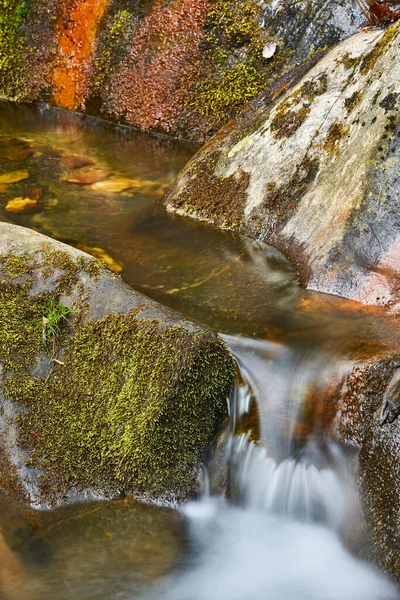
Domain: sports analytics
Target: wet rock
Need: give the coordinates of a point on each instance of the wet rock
(310, 25)
(75, 161)
(202, 66)
(391, 400)
(380, 480)
(312, 168)
(124, 395)
(86, 176)
(361, 397)
(368, 388)
(115, 185)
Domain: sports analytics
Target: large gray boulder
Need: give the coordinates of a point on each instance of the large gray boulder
(313, 169)
(308, 25)
(120, 395)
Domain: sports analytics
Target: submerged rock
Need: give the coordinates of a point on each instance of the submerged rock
(313, 169)
(113, 394)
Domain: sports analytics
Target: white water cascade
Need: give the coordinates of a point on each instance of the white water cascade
(283, 524)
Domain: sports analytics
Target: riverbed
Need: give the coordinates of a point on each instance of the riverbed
(277, 515)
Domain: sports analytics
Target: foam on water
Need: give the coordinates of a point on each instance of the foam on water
(246, 554)
(291, 510)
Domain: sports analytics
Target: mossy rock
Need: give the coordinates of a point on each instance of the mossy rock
(312, 168)
(135, 393)
(379, 475)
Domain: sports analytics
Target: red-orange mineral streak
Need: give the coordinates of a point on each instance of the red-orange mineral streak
(147, 90)
(76, 33)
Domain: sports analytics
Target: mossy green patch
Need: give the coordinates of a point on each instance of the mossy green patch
(13, 14)
(231, 70)
(21, 320)
(130, 406)
(369, 60)
(49, 261)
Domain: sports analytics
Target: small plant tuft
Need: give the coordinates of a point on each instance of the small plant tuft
(54, 319)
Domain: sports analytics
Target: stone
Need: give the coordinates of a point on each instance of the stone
(124, 397)
(86, 176)
(312, 168)
(358, 422)
(309, 25)
(107, 62)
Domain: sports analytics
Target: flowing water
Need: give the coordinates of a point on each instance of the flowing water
(278, 517)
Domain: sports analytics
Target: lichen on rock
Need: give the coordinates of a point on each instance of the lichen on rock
(318, 159)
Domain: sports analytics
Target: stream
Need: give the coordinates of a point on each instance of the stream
(278, 516)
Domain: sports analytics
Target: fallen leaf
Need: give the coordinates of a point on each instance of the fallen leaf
(14, 176)
(14, 149)
(269, 49)
(35, 194)
(17, 205)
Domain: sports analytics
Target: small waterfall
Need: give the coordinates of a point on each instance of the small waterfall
(282, 468)
(280, 508)
(317, 487)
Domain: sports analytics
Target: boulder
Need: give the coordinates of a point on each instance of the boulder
(307, 25)
(313, 168)
(366, 391)
(102, 391)
(181, 68)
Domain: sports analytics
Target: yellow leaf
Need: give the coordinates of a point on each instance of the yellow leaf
(17, 205)
(14, 176)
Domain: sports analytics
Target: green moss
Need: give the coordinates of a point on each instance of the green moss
(370, 59)
(291, 114)
(49, 261)
(231, 71)
(114, 48)
(16, 265)
(13, 14)
(133, 405)
(20, 327)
